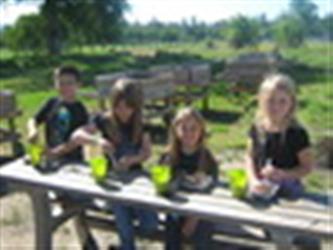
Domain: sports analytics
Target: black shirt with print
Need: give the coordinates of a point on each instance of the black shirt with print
(189, 163)
(61, 119)
(280, 148)
(126, 146)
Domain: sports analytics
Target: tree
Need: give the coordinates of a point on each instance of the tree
(289, 31)
(307, 13)
(242, 31)
(26, 35)
(326, 25)
(80, 21)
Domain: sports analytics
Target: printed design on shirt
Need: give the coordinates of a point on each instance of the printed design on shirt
(62, 121)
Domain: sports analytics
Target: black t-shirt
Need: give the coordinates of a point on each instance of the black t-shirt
(189, 163)
(61, 119)
(125, 146)
(281, 149)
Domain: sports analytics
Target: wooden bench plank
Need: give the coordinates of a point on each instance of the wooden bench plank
(301, 207)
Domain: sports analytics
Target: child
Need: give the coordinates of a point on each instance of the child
(123, 139)
(195, 168)
(279, 149)
(61, 115)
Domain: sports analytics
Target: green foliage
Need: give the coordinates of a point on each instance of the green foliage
(289, 32)
(170, 32)
(307, 12)
(326, 27)
(26, 35)
(243, 31)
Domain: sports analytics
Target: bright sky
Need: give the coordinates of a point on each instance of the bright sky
(177, 10)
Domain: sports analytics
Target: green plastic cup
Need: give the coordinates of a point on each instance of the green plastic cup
(35, 152)
(238, 182)
(99, 168)
(161, 176)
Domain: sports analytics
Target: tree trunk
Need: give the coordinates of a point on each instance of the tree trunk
(53, 27)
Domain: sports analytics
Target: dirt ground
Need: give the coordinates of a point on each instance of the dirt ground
(17, 231)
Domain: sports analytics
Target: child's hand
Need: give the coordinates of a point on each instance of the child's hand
(189, 226)
(53, 153)
(78, 140)
(106, 145)
(258, 186)
(274, 174)
(197, 178)
(200, 177)
(190, 178)
(33, 136)
(125, 162)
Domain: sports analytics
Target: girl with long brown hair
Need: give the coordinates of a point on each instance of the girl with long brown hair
(127, 146)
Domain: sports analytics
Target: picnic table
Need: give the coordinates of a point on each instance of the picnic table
(284, 220)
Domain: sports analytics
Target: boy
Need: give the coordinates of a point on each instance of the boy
(62, 115)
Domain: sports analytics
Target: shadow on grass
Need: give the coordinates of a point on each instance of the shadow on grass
(226, 117)
(158, 133)
(91, 64)
(305, 74)
(33, 73)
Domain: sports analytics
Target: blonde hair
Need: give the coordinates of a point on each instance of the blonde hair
(174, 145)
(129, 91)
(270, 84)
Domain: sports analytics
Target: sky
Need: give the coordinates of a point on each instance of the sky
(177, 10)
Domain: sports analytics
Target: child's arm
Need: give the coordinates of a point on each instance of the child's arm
(87, 135)
(66, 147)
(61, 149)
(306, 166)
(40, 117)
(32, 127)
(143, 155)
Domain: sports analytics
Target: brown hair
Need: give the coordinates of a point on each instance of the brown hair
(174, 145)
(67, 70)
(129, 91)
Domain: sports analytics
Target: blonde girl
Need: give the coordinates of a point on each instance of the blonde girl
(279, 146)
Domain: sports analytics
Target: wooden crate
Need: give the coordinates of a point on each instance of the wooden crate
(8, 106)
(200, 74)
(105, 82)
(187, 74)
(155, 85)
(251, 68)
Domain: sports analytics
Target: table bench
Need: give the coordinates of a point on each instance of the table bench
(285, 220)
